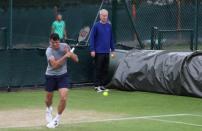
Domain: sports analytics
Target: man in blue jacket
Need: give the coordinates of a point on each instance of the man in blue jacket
(101, 45)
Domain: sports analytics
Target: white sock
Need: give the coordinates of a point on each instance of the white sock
(49, 109)
(58, 116)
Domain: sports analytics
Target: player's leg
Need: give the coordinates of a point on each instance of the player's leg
(62, 83)
(63, 98)
(105, 68)
(49, 99)
(49, 87)
(49, 109)
(98, 71)
(62, 104)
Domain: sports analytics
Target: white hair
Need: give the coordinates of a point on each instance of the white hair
(103, 11)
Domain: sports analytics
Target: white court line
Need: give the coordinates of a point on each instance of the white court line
(174, 122)
(195, 115)
(153, 118)
(131, 118)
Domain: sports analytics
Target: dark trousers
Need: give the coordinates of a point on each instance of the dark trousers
(101, 68)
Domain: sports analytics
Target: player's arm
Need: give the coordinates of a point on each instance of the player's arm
(112, 41)
(112, 45)
(58, 63)
(65, 32)
(52, 28)
(74, 57)
(92, 41)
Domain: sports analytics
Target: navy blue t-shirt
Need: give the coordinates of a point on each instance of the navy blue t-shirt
(101, 38)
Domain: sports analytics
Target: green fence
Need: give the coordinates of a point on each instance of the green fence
(169, 16)
(29, 22)
(26, 67)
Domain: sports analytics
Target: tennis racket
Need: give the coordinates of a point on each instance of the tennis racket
(82, 36)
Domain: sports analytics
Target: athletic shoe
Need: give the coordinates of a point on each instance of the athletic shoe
(54, 123)
(103, 88)
(100, 89)
(49, 116)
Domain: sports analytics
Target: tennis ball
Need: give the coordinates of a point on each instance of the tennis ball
(105, 93)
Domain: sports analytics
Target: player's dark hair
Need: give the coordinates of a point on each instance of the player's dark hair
(54, 36)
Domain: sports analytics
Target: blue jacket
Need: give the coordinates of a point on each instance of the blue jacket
(101, 38)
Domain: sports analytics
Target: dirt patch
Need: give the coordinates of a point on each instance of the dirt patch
(36, 117)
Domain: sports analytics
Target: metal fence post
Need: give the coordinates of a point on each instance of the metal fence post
(114, 18)
(154, 34)
(159, 40)
(196, 23)
(5, 38)
(10, 25)
(192, 41)
(133, 24)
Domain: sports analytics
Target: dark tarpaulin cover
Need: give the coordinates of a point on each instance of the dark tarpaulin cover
(178, 73)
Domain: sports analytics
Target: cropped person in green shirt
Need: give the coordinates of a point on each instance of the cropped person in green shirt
(58, 27)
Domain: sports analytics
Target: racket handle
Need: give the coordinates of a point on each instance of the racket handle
(72, 50)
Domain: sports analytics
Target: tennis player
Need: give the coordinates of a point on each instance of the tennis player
(57, 77)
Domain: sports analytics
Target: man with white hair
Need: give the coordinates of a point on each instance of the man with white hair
(101, 45)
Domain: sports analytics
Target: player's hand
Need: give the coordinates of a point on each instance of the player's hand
(68, 54)
(66, 49)
(92, 54)
(112, 55)
(76, 59)
(72, 56)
